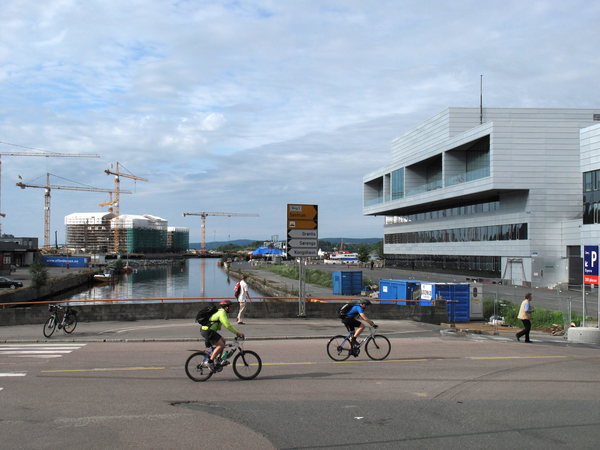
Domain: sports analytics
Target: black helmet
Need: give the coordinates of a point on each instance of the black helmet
(365, 301)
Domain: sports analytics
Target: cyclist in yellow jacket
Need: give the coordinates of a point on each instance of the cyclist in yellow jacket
(210, 332)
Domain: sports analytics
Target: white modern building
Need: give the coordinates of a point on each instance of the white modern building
(495, 191)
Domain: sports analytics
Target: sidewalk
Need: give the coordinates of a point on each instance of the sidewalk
(185, 330)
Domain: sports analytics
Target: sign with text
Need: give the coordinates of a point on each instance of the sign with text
(590, 264)
(302, 229)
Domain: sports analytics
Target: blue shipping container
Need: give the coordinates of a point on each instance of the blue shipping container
(457, 296)
(397, 290)
(62, 261)
(347, 283)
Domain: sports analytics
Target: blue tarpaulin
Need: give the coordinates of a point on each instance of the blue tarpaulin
(267, 251)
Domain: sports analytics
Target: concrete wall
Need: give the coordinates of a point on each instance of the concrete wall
(54, 287)
(38, 314)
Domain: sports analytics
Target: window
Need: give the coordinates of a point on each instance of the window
(398, 184)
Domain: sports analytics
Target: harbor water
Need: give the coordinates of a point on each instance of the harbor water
(197, 278)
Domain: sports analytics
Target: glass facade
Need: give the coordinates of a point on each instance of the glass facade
(450, 211)
(511, 232)
(398, 184)
(591, 197)
(489, 264)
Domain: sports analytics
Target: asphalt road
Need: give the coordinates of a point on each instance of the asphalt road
(435, 390)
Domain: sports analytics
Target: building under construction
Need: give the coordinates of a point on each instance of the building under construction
(95, 233)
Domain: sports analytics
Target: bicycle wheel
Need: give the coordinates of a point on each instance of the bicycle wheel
(50, 326)
(338, 348)
(195, 367)
(70, 323)
(378, 347)
(247, 365)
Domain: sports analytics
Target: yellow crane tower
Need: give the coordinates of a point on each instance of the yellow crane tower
(44, 153)
(203, 216)
(118, 174)
(48, 187)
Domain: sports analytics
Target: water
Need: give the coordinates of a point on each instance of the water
(199, 277)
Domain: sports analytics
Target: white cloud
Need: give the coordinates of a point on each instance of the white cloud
(245, 107)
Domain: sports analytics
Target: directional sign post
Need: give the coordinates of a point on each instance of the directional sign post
(302, 242)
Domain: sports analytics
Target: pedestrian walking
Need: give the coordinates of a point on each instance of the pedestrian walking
(525, 314)
(243, 296)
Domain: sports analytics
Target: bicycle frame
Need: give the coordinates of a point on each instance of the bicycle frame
(235, 346)
(364, 341)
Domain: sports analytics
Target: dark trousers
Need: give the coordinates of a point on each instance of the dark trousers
(525, 332)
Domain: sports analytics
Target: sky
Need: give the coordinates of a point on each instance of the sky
(247, 106)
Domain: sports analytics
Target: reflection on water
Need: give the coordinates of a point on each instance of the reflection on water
(199, 277)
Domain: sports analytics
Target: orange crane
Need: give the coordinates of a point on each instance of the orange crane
(44, 153)
(203, 216)
(48, 187)
(118, 174)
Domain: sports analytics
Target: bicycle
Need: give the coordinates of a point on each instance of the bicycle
(246, 364)
(377, 346)
(67, 323)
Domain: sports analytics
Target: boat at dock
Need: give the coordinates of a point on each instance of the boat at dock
(105, 277)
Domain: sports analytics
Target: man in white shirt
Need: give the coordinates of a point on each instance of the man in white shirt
(242, 297)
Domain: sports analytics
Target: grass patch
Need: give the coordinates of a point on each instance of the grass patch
(313, 276)
(542, 319)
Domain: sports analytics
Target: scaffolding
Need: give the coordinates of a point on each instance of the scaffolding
(94, 232)
(178, 239)
(89, 232)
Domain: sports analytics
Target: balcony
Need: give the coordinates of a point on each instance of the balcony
(468, 176)
(425, 188)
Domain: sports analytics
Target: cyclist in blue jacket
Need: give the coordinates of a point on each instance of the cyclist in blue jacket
(351, 322)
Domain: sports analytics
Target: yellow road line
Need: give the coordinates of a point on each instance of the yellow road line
(103, 370)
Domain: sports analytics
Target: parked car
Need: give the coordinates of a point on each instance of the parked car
(8, 283)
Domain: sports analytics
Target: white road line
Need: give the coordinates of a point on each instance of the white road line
(33, 352)
(38, 350)
(13, 374)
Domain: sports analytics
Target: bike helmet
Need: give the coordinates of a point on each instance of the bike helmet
(366, 302)
(226, 303)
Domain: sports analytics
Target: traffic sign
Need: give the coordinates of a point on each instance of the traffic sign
(590, 264)
(303, 252)
(302, 228)
(304, 243)
(303, 224)
(303, 212)
(307, 234)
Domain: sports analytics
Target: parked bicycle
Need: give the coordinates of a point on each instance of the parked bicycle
(67, 322)
(377, 346)
(246, 363)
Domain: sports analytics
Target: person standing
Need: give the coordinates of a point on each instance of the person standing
(243, 296)
(525, 314)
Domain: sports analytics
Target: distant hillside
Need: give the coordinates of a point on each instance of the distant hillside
(211, 245)
(244, 242)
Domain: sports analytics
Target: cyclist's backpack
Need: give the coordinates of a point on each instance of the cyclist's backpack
(204, 315)
(237, 289)
(344, 310)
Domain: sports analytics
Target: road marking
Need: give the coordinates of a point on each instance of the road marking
(38, 350)
(103, 370)
(14, 374)
(288, 364)
(514, 357)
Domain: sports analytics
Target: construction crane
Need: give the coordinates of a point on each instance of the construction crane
(44, 153)
(48, 187)
(204, 214)
(118, 174)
